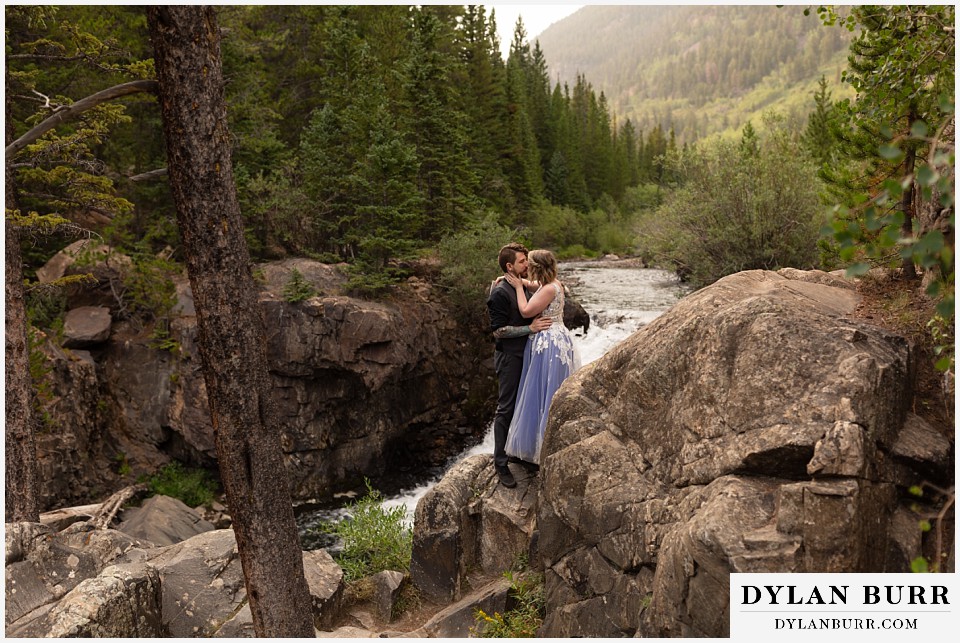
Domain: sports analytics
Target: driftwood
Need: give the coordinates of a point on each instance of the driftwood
(109, 508)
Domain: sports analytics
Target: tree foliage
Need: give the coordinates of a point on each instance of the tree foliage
(750, 204)
(360, 133)
(896, 184)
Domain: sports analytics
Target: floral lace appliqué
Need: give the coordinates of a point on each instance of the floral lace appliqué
(557, 335)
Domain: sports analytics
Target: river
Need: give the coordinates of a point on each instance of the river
(620, 299)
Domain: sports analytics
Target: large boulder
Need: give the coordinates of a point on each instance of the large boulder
(43, 567)
(202, 584)
(468, 521)
(163, 520)
(83, 582)
(754, 427)
(86, 326)
(123, 601)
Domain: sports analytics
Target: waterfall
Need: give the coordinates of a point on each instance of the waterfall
(620, 300)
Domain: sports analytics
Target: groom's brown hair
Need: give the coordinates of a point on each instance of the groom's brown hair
(508, 254)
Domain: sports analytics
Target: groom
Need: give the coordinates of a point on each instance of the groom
(510, 330)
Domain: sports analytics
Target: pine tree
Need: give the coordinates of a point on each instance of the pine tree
(231, 340)
(436, 128)
(483, 101)
(522, 158)
(819, 137)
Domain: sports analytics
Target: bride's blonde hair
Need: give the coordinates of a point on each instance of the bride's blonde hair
(542, 266)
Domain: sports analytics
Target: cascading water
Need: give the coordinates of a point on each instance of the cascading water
(619, 300)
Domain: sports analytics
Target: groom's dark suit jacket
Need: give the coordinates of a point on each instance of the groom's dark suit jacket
(502, 306)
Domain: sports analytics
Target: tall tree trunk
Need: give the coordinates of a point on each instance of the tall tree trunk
(22, 503)
(907, 204)
(231, 338)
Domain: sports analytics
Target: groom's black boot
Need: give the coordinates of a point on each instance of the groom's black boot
(506, 478)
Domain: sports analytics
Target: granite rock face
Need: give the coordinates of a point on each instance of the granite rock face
(363, 388)
(755, 426)
(469, 521)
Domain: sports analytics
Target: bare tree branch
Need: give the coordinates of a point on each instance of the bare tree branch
(149, 176)
(77, 108)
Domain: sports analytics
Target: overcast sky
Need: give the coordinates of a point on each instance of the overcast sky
(536, 19)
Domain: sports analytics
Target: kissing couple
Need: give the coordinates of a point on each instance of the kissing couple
(534, 353)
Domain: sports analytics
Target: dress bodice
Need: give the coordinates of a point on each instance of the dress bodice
(554, 309)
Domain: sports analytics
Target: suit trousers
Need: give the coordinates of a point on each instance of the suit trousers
(509, 368)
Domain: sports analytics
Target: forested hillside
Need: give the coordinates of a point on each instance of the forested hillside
(697, 69)
(364, 134)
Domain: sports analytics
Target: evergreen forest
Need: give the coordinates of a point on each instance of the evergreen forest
(699, 70)
(380, 136)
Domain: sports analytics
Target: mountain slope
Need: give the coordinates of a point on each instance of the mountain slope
(699, 69)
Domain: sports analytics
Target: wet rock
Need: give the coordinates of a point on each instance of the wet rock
(574, 316)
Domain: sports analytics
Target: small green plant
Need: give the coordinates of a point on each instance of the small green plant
(941, 331)
(409, 599)
(297, 288)
(194, 487)
(523, 620)
(123, 465)
(375, 538)
(945, 499)
(149, 287)
(161, 340)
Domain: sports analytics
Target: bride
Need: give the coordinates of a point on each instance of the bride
(550, 357)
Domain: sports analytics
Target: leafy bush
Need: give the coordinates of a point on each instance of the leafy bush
(194, 487)
(469, 263)
(523, 620)
(556, 226)
(741, 205)
(375, 539)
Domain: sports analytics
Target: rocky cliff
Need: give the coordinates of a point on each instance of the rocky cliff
(363, 387)
(756, 426)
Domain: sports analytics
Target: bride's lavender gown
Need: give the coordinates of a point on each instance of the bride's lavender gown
(550, 357)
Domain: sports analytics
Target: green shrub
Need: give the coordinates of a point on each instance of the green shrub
(469, 264)
(575, 251)
(556, 226)
(523, 620)
(742, 205)
(297, 288)
(374, 539)
(149, 287)
(194, 487)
